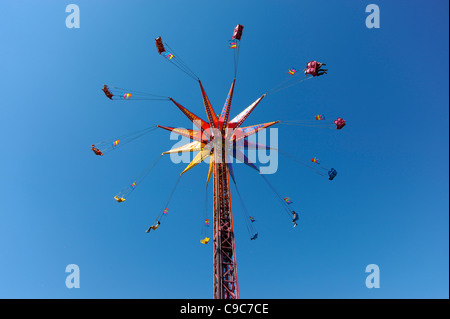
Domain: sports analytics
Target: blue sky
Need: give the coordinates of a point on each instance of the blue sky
(387, 206)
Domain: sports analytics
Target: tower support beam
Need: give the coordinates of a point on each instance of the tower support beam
(225, 267)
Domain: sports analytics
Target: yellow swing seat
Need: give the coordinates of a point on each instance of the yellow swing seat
(119, 199)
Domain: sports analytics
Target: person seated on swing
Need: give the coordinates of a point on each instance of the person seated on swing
(332, 174)
(119, 199)
(107, 93)
(314, 64)
(154, 227)
(254, 236)
(294, 218)
(314, 68)
(96, 150)
(340, 123)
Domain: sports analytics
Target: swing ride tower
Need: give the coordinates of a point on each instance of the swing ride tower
(218, 139)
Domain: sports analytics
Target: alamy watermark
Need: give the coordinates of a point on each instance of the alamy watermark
(237, 145)
(73, 19)
(373, 279)
(73, 279)
(373, 19)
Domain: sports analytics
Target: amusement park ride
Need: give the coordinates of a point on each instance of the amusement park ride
(219, 139)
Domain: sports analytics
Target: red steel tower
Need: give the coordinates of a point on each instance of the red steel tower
(219, 139)
(225, 267)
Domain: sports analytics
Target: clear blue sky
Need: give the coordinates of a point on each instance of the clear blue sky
(387, 206)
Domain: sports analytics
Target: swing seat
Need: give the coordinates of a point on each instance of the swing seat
(204, 241)
(254, 236)
(119, 199)
(96, 151)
